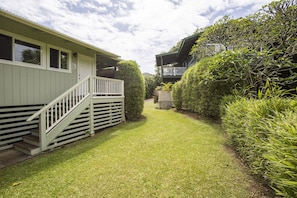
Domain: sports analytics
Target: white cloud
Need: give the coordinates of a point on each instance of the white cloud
(133, 29)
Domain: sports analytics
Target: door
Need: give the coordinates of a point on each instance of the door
(85, 66)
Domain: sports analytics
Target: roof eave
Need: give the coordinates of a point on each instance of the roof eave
(57, 34)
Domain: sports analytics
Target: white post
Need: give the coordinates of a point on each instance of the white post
(123, 87)
(42, 131)
(91, 91)
(123, 102)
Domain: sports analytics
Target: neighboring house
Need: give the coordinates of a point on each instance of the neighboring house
(49, 92)
(172, 65)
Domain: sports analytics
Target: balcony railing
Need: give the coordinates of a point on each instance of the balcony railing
(172, 71)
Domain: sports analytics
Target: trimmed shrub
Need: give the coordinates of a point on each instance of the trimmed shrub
(262, 131)
(177, 95)
(281, 153)
(242, 124)
(200, 92)
(242, 72)
(134, 88)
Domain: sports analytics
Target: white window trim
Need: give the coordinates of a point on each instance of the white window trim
(28, 40)
(60, 49)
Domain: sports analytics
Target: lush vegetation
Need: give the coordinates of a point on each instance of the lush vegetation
(134, 88)
(273, 29)
(248, 79)
(151, 82)
(165, 155)
(264, 133)
(200, 89)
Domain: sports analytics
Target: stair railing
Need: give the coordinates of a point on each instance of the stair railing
(62, 105)
(51, 114)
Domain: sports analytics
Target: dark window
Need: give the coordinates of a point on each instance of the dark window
(64, 60)
(27, 52)
(5, 47)
(54, 58)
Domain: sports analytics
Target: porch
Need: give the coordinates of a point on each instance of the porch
(92, 104)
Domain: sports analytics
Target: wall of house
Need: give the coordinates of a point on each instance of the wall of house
(26, 86)
(21, 85)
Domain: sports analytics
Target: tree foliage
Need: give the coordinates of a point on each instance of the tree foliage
(151, 83)
(273, 28)
(267, 41)
(31, 56)
(134, 89)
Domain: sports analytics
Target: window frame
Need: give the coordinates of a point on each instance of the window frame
(30, 41)
(49, 47)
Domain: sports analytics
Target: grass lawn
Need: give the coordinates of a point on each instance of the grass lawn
(167, 154)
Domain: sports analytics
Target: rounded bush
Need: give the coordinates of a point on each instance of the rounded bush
(134, 90)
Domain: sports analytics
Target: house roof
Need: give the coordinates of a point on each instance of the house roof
(181, 54)
(45, 30)
(187, 45)
(166, 58)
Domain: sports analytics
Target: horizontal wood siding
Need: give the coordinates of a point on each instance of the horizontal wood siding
(27, 86)
(13, 124)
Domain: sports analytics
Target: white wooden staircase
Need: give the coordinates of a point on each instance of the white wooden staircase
(93, 103)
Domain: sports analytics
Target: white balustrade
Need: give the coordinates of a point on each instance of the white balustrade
(56, 110)
(173, 71)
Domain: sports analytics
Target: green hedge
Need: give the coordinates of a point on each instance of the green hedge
(177, 95)
(134, 88)
(281, 153)
(264, 133)
(242, 72)
(199, 91)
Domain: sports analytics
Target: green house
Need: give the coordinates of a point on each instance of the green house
(51, 90)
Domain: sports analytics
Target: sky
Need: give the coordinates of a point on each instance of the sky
(133, 29)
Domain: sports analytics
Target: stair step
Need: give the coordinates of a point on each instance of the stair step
(35, 132)
(27, 148)
(31, 139)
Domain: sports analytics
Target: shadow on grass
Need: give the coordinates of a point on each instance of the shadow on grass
(196, 116)
(15, 173)
(130, 125)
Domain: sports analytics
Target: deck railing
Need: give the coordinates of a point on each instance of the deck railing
(172, 71)
(51, 114)
(107, 87)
